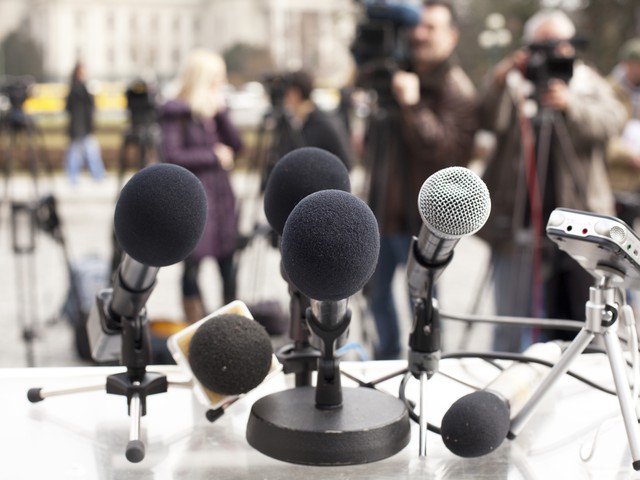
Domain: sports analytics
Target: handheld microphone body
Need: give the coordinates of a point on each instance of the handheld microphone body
(453, 202)
(159, 218)
(478, 423)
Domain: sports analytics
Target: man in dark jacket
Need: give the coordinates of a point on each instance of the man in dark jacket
(430, 127)
(310, 126)
(549, 153)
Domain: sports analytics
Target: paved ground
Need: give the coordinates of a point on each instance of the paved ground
(33, 287)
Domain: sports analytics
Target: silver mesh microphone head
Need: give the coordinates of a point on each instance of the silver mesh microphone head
(454, 202)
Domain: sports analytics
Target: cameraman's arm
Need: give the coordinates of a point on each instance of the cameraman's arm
(449, 127)
(496, 102)
(593, 114)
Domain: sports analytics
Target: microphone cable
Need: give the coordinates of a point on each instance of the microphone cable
(489, 357)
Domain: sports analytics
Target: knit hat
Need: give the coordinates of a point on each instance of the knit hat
(630, 50)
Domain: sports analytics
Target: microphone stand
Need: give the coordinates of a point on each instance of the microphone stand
(601, 319)
(136, 383)
(299, 357)
(328, 424)
(424, 340)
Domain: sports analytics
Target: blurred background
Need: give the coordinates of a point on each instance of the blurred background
(133, 52)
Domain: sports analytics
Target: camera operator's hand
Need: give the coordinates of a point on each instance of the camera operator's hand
(406, 88)
(556, 96)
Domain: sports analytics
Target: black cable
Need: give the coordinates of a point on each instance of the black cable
(521, 358)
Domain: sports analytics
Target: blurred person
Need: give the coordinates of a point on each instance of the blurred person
(623, 151)
(83, 145)
(551, 125)
(312, 127)
(431, 126)
(198, 134)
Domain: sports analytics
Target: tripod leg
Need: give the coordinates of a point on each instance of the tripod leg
(576, 347)
(614, 352)
(135, 447)
(38, 394)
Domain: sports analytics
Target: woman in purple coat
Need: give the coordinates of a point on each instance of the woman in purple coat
(199, 135)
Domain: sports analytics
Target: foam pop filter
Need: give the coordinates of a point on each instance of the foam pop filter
(330, 245)
(227, 352)
(160, 214)
(299, 173)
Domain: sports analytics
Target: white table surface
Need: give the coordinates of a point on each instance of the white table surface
(83, 436)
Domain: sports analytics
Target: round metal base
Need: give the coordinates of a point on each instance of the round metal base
(369, 426)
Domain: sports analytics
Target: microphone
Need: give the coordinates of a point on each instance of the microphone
(228, 354)
(478, 423)
(159, 218)
(297, 174)
(330, 245)
(453, 202)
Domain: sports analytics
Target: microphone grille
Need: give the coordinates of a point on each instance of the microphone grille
(455, 202)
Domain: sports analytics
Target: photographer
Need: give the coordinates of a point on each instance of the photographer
(552, 117)
(430, 127)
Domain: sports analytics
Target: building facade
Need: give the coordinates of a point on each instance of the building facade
(123, 39)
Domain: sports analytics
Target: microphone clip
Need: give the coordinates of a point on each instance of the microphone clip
(328, 388)
(425, 339)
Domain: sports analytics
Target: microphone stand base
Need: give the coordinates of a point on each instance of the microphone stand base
(369, 426)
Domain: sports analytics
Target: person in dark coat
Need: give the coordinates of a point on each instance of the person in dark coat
(198, 134)
(312, 126)
(430, 126)
(83, 144)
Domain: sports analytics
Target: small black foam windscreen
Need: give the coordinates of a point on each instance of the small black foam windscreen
(160, 215)
(330, 245)
(230, 354)
(297, 174)
(475, 425)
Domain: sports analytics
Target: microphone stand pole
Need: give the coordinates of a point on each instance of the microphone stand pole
(601, 319)
(424, 340)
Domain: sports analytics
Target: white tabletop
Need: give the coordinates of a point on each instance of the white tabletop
(83, 436)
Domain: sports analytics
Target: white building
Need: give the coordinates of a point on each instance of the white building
(121, 39)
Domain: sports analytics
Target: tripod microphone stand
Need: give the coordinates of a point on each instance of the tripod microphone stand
(601, 319)
(136, 383)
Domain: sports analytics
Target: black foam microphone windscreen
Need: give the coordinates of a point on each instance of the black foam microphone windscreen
(330, 245)
(160, 215)
(476, 424)
(230, 354)
(299, 173)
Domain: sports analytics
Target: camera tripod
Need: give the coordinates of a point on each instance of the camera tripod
(143, 139)
(601, 319)
(275, 137)
(27, 217)
(19, 130)
(136, 383)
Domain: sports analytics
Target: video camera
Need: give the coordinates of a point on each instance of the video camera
(276, 85)
(141, 103)
(381, 45)
(16, 89)
(545, 64)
